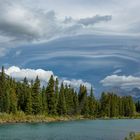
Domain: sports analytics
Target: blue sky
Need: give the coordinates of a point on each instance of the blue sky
(88, 42)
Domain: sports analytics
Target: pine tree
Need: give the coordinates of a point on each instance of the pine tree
(62, 110)
(76, 103)
(51, 100)
(82, 98)
(84, 102)
(13, 101)
(105, 105)
(28, 109)
(91, 103)
(2, 90)
(44, 101)
(56, 93)
(36, 102)
(69, 93)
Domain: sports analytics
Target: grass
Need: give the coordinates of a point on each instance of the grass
(133, 136)
(137, 136)
(20, 117)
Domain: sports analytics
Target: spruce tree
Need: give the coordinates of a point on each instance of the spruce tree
(44, 101)
(62, 110)
(2, 90)
(51, 98)
(36, 102)
(91, 103)
(83, 101)
(69, 93)
(76, 103)
(56, 93)
(13, 101)
(28, 108)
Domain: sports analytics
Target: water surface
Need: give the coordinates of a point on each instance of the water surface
(73, 130)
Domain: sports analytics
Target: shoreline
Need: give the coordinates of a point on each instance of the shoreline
(22, 118)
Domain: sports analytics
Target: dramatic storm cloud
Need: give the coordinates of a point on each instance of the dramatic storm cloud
(90, 40)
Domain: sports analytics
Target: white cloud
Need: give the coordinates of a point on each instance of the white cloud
(31, 74)
(117, 71)
(76, 83)
(126, 82)
(44, 76)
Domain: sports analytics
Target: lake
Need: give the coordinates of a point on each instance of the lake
(72, 130)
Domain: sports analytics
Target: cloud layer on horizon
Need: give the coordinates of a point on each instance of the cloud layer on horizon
(124, 82)
(44, 76)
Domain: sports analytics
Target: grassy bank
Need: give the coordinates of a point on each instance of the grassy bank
(20, 117)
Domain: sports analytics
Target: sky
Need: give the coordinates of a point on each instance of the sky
(92, 42)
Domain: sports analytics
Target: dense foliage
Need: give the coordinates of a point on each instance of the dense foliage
(53, 99)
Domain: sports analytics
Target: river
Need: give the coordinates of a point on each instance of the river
(72, 130)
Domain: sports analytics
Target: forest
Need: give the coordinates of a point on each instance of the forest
(58, 99)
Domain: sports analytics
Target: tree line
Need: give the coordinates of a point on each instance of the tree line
(52, 99)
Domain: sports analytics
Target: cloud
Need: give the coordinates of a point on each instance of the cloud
(95, 19)
(21, 24)
(76, 83)
(126, 82)
(31, 74)
(44, 76)
(117, 71)
(24, 23)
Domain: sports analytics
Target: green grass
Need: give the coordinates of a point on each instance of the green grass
(137, 136)
(21, 117)
(133, 136)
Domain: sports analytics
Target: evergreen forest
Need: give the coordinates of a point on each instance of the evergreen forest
(58, 99)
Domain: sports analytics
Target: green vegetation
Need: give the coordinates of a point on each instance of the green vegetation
(137, 137)
(133, 136)
(29, 98)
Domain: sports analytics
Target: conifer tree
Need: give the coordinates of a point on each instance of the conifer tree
(69, 93)
(56, 93)
(76, 103)
(91, 103)
(36, 102)
(62, 110)
(51, 98)
(2, 90)
(82, 99)
(13, 101)
(44, 101)
(28, 108)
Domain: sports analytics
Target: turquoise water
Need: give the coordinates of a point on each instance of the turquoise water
(73, 130)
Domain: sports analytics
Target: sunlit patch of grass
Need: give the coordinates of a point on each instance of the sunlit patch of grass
(137, 136)
(22, 117)
(133, 136)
